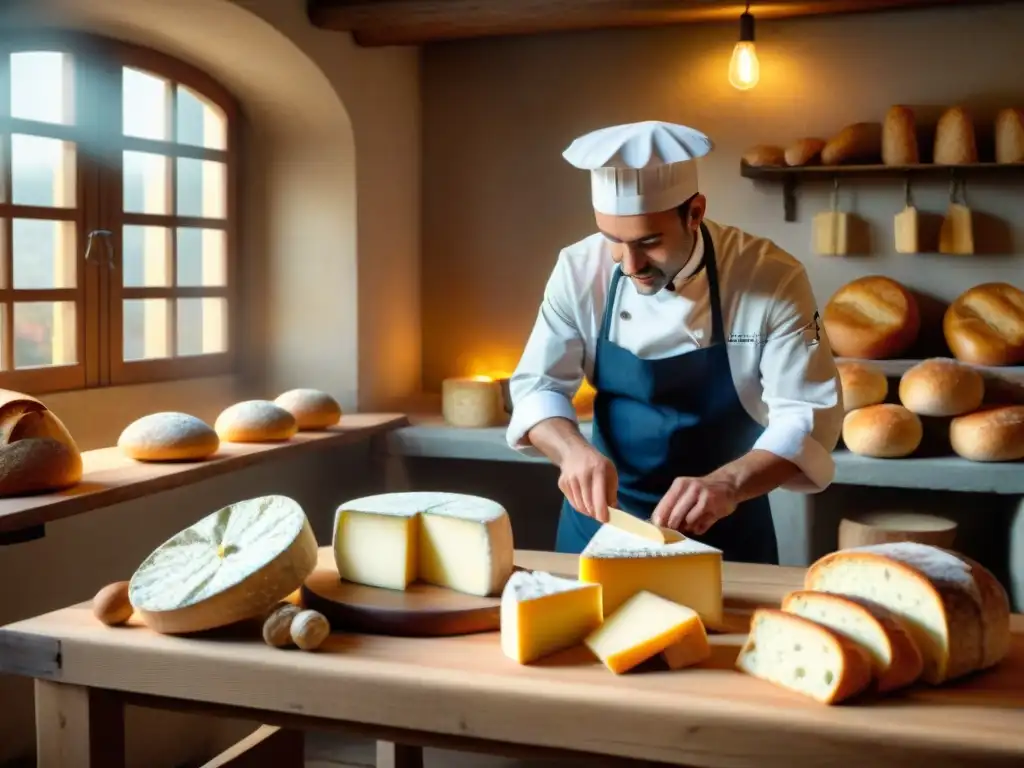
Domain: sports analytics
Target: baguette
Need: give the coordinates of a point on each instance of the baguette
(860, 142)
(804, 151)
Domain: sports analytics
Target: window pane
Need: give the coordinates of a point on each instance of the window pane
(202, 326)
(145, 99)
(202, 188)
(146, 325)
(144, 262)
(44, 333)
(202, 257)
(42, 87)
(201, 123)
(145, 183)
(43, 253)
(42, 171)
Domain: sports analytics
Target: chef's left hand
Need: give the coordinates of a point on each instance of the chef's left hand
(693, 504)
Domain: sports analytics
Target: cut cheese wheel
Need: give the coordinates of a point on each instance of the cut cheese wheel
(686, 572)
(472, 402)
(168, 436)
(449, 539)
(803, 656)
(255, 421)
(894, 653)
(311, 408)
(235, 564)
(542, 614)
(642, 627)
(957, 611)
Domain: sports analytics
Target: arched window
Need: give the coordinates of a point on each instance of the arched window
(117, 216)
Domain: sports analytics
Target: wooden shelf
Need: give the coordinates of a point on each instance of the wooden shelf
(790, 177)
(896, 368)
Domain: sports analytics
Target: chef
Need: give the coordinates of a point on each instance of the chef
(714, 382)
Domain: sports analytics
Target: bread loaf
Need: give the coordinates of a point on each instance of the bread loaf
(37, 453)
(896, 659)
(941, 387)
(1009, 131)
(804, 656)
(992, 434)
(804, 151)
(899, 137)
(764, 154)
(872, 317)
(885, 431)
(985, 325)
(311, 408)
(255, 421)
(957, 611)
(863, 385)
(168, 436)
(857, 143)
(954, 138)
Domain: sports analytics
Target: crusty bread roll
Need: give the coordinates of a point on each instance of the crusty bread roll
(885, 431)
(863, 385)
(992, 434)
(872, 317)
(168, 436)
(954, 138)
(985, 325)
(804, 151)
(764, 154)
(37, 453)
(255, 421)
(899, 137)
(1009, 131)
(857, 143)
(941, 387)
(311, 408)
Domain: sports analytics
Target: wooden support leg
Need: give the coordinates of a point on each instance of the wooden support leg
(391, 755)
(266, 746)
(78, 727)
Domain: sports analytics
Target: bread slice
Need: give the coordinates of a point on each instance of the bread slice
(896, 659)
(957, 611)
(804, 656)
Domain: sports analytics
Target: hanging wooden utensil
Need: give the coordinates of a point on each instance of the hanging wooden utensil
(906, 227)
(957, 233)
(830, 229)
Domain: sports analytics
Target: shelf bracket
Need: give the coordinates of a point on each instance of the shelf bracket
(789, 197)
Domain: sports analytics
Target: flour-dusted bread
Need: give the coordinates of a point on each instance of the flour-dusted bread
(957, 611)
(311, 408)
(37, 453)
(940, 386)
(235, 564)
(255, 421)
(894, 653)
(168, 436)
(990, 434)
(804, 656)
(863, 385)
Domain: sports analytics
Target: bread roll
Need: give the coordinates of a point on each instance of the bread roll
(899, 137)
(863, 385)
(885, 431)
(168, 436)
(941, 387)
(37, 453)
(255, 421)
(1009, 131)
(311, 408)
(857, 143)
(992, 434)
(872, 317)
(985, 325)
(764, 154)
(954, 138)
(804, 151)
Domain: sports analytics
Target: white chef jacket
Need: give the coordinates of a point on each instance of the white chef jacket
(782, 365)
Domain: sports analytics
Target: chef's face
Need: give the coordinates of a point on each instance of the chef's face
(652, 247)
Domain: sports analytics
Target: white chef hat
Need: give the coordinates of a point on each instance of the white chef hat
(640, 167)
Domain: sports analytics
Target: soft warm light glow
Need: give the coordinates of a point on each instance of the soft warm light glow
(744, 69)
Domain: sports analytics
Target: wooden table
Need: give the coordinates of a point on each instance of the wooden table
(462, 693)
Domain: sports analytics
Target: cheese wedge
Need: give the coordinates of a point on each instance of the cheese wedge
(542, 614)
(692, 648)
(830, 233)
(906, 231)
(452, 540)
(685, 572)
(233, 565)
(642, 528)
(956, 235)
(642, 627)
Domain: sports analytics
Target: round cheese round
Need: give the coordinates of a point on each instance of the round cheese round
(235, 564)
(255, 421)
(883, 431)
(168, 436)
(941, 387)
(311, 408)
(863, 385)
(872, 317)
(992, 434)
(985, 325)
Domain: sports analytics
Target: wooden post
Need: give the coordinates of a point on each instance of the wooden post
(78, 727)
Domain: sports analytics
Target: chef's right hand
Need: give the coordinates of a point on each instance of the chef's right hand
(589, 481)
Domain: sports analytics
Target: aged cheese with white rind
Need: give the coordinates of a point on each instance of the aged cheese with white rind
(235, 564)
(542, 614)
(168, 436)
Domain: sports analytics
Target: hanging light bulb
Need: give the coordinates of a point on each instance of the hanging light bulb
(744, 69)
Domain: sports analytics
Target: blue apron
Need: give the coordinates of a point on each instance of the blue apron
(677, 416)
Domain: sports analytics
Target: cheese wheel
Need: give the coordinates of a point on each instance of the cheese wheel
(873, 317)
(957, 611)
(992, 434)
(857, 143)
(863, 385)
(168, 436)
(235, 564)
(885, 431)
(899, 137)
(764, 154)
(803, 656)
(255, 421)
(941, 387)
(985, 325)
(1009, 131)
(804, 151)
(311, 408)
(954, 138)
